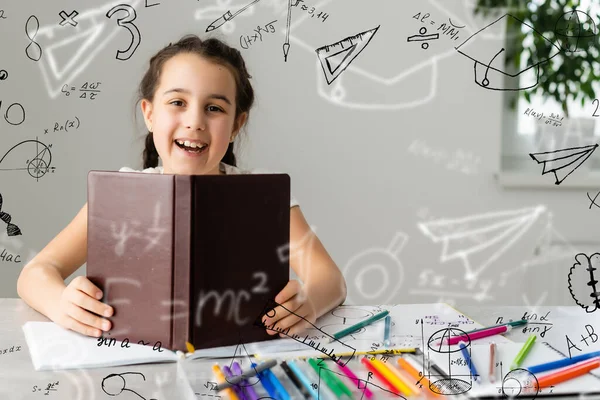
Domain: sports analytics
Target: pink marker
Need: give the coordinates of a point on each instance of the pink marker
(355, 379)
(496, 330)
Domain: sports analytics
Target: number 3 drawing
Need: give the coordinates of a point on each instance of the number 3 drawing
(127, 23)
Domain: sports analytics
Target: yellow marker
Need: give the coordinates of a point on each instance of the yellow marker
(190, 347)
(221, 379)
(293, 355)
(401, 375)
(390, 352)
(390, 376)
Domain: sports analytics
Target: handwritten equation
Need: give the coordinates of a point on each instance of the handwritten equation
(585, 342)
(553, 119)
(125, 343)
(50, 387)
(87, 90)
(462, 161)
(312, 11)
(535, 323)
(248, 40)
(72, 124)
(9, 350)
(446, 29)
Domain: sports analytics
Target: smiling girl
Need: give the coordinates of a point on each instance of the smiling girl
(195, 97)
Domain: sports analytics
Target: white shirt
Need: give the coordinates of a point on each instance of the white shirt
(226, 168)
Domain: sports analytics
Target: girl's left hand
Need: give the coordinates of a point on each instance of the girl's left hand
(297, 304)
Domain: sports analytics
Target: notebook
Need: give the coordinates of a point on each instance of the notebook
(187, 258)
(53, 347)
(511, 384)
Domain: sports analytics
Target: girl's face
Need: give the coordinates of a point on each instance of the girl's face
(192, 115)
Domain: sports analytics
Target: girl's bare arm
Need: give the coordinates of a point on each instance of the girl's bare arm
(41, 283)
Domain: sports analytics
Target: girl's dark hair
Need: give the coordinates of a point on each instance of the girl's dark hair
(211, 49)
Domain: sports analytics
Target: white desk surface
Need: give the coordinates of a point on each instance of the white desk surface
(18, 379)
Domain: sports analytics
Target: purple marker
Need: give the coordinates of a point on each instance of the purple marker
(250, 392)
(236, 388)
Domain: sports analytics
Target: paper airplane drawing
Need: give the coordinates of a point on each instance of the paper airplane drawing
(336, 57)
(489, 67)
(564, 161)
(479, 240)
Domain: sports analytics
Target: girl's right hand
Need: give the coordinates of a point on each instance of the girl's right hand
(76, 301)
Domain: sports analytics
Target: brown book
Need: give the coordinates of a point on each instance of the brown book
(188, 258)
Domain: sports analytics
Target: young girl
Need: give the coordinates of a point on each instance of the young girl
(195, 98)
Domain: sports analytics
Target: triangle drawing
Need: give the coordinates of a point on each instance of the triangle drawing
(563, 162)
(242, 357)
(336, 57)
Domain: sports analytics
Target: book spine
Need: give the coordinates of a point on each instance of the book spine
(182, 220)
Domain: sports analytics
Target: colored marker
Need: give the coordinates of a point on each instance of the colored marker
(221, 378)
(511, 323)
(568, 373)
(236, 388)
(416, 374)
(375, 370)
(244, 385)
(370, 352)
(492, 371)
(357, 326)
(467, 356)
(394, 376)
(355, 379)
(303, 378)
(523, 352)
(288, 371)
(497, 330)
(280, 392)
(252, 371)
(386, 332)
(327, 378)
(565, 362)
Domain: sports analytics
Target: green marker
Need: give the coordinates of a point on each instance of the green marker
(523, 352)
(335, 384)
(357, 326)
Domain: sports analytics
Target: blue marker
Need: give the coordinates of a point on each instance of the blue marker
(465, 353)
(267, 384)
(279, 389)
(535, 369)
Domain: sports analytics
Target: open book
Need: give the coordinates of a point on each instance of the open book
(53, 347)
(507, 383)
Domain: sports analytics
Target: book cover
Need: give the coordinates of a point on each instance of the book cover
(187, 258)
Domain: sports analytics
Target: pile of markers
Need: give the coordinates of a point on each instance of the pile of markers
(566, 369)
(315, 379)
(387, 377)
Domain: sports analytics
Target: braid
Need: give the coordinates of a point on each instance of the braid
(150, 153)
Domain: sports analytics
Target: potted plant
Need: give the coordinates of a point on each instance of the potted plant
(568, 76)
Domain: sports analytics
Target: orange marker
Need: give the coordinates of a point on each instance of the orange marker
(412, 371)
(569, 373)
(220, 379)
(376, 371)
(399, 379)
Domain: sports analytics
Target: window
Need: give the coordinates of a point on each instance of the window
(540, 125)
